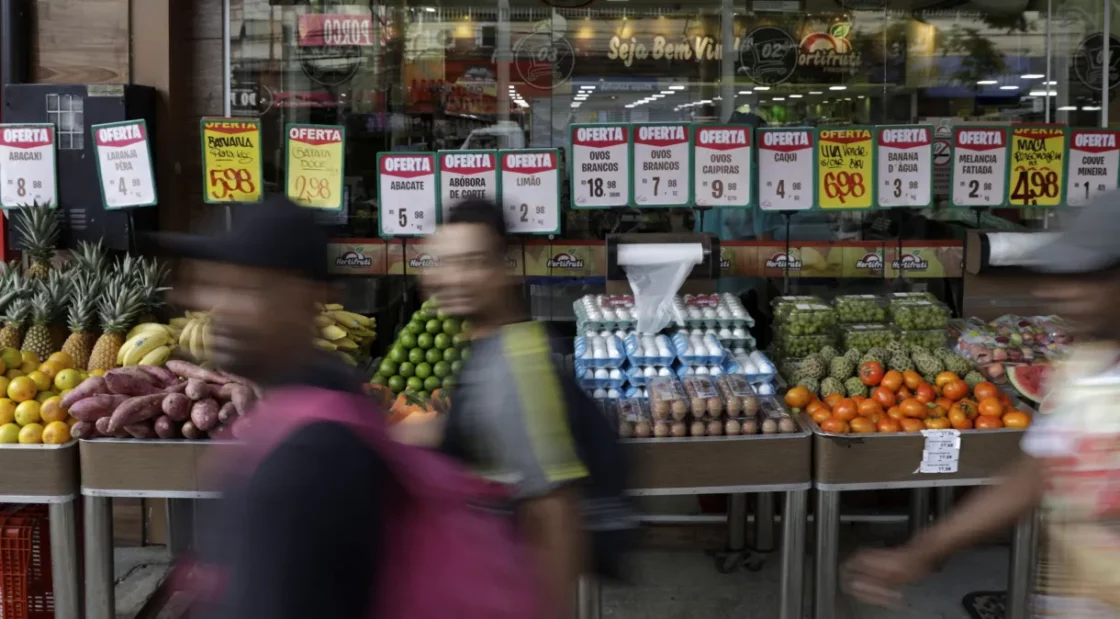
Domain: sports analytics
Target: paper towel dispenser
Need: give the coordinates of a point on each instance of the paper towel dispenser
(708, 269)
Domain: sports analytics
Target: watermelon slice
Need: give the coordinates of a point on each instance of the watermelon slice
(1029, 380)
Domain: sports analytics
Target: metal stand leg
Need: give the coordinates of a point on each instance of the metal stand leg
(1024, 541)
(737, 522)
(64, 560)
(98, 531)
(590, 598)
(180, 525)
(764, 523)
(828, 553)
(794, 521)
(919, 509)
(942, 501)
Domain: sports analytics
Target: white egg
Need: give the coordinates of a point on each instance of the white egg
(602, 373)
(599, 394)
(688, 371)
(701, 370)
(709, 312)
(589, 374)
(649, 371)
(608, 314)
(615, 374)
(726, 334)
(663, 372)
(612, 353)
(740, 351)
(689, 351)
(623, 313)
(664, 352)
(694, 312)
(739, 332)
(714, 370)
(715, 351)
(604, 333)
(723, 313)
(600, 353)
(613, 394)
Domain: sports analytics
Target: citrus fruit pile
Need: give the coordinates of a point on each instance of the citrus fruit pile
(31, 410)
(426, 354)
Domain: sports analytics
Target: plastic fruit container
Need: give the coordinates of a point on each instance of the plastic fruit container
(919, 315)
(926, 338)
(866, 336)
(809, 319)
(798, 345)
(860, 308)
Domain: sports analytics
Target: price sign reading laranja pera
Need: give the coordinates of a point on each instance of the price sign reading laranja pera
(316, 161)
(845, 168)
(1037, 165)
(124, 164)
(231, 158)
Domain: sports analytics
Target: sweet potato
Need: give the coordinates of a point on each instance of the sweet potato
(227, 413)
(177, 406)
(179, 386)
(190, 370)
(162, 375)
(198, 389)
(136, 409)
(102, 426)
(84, 429)
(96, 407)
(141, 430)
(94, 385)
(204, 414)
(137, 373)
(241, 396)
(165, 427)
(128, 384)
(191, 432)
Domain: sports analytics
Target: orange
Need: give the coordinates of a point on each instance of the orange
(912, 425)
(862, 425)
(51, 369)
(62, 359)
(912, 379)
(991, 407)
(42, 381)
(67, 379)
(22, 389)
(52, 410)
(7, 411)
(945, 377)
(14, 373)
(1016, 419)
(985, 390)
(835, 426)
(56, 433)
(937, 423)
(888, 426)
(798, 397)
(845, 410)
(28, 412)
(987, 422)
(31, 434)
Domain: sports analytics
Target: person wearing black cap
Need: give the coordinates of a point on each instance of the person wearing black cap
(300, 538)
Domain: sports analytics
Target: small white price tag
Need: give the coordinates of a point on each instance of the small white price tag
(945, 468)
(124, 164)
(722, 162)
(662, 164)
(531, 191)
(905, 158)
(941, 452)
(1094, 164)
(600, 166)
(407, 194)
(465, 175)
(979, 175)
(785, 169)
(28, 174)
(941, 456)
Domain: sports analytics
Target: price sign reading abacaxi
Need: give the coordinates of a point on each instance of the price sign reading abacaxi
(531, 191)
(979, 160)
(600, 166)
(1093, 167)
(465, 175)
(721, 158)
(845, 168)
(786, 169)
(124, 164)
(28, 174)
(316, 165)
(1037, 166)
(408, 194)
(662, 164)
(231, 158)
(905, 167)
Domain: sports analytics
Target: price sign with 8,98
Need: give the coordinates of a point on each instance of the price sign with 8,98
(722, 160)
(408, 194)
(786, 169)
(316, 160)
(1037, 165)
(662, 164)
(28, 174)
(530, 181)
(124, 164)
(979, 172)
(845, 168)
(231, 158)
(600, 166)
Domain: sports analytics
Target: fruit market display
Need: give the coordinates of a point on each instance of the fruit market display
(426, 354)
(349, 334)
(1014, 349)
(31, 394)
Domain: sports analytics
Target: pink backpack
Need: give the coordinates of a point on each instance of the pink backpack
(449, 553)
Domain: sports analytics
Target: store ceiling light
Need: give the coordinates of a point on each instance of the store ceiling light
(677, 87)
(762, 88)
(1091, 108)
(587, 87)
(521, 103)
(986, 83)
(1044, 93)
(837, 87)
(1050, 83)
(1009, 88)
(666, 92)
(847, 98)
(1067, 108)
(779, 98)
(815, 92)
(1032, 76)
(576, 104)
(429, 9)
(795, 96)
(861, 97)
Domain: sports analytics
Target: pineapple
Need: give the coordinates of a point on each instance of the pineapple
(80, 316)
(45, 305)
(120, 304)
(150, 278)
(12, 334)
(89, 258)
(38, 228)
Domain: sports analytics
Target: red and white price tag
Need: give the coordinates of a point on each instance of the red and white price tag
(600, 166)
(28, 172)
(124, 164)
(531, 191)
(662, 164)
(785, 169)
(407, 194)
(465, 175)
(905, 158)
(1094, 164)
(721, 158)
(979, 166)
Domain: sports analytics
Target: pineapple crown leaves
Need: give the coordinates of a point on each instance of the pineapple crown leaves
(50, 296)
(85, 289)
(16, 314)
(119, 305)
(89, 257)
(38, 226)
(151, 277)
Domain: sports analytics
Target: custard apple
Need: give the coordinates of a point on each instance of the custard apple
(812, 384)
(944, 354)
(973, 378)
(900, 363)
(928, 364)
(881, 354)
(812, 367)
(828, 353)
(830, 386)
(854, 354)
(841, 368)
(957, 364)
(854, 386)
(897, 347)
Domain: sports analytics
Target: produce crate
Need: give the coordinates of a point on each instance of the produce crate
(129, 467)
(39, 471)
(26, 590)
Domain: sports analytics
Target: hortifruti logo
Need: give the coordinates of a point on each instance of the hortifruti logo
(564, 260)
(353, 258)
(782, 260)
(829, 51)
(423, 261)
(870, 261)
(911, 262)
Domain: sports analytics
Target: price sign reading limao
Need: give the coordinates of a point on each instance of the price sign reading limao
(600, 166)
(786, 169)
(905, 166)
(979, 160)
(28, 174)
(531, 191)
(1037, 166)
(408, 194)
(231, 158)
(662, 164)
(721, 158)
(316, 164)
(124, 164)
(1093, 167)
(466, 174)
(845, 168)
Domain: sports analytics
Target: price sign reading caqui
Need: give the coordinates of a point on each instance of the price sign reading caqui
(231, 157)
(124, 164)
(531, 191)
(845, 168)
(662, 164)
(600, 166)
(905, 166)
(979, 175)
(786, 169)
(466, 174)
(722, 160)
(1094, 164)
(28, 174)
(316, 164)
(1037, 166)
(407, 194)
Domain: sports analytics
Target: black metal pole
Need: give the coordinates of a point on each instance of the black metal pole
(15, 42)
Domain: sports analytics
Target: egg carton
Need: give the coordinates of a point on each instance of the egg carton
(594, 378)
(599, 352)
(699, 370)
(756, 367)
(605, 311)
(600, 393)
(635, 391)
(698, 349)
(740, 317)
(645, 350)
(640, 375)
(730, 337)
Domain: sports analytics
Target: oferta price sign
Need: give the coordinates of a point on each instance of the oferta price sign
(845, 169)
(1037, 166)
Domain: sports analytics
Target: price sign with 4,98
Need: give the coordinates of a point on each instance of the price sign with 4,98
(231, 158)
(530, 181)
(722, 160)
(845, 168)
(1037, 165)
(124, 164)
(408, 194)
(28, 174)
(979, 172)
(600, 166)
(662, 164)
(786, 169)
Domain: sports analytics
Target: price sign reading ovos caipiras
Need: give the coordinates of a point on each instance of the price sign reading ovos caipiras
(28, 174)
(845, 168)
(721, 158)
(408, 194)
(979, 172)
(124, 164)
(786, 169)
(600, 166)
(465, 175)
(905, 162)
(531, 190)
(1093, 160)
(662, 164)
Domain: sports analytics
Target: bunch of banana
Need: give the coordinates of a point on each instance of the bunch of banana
(195, 334)
(148, 343)
(345, 332)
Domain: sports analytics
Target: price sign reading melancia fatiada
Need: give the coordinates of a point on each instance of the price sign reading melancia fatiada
(408, 194)
(662, 164)
(1093, 164)
(721, 158)
(905, 166)
(316, 164)
(531, 191)
(124, 164)
(845, 168)
(465, 175)
(28, 174)
(786, 169)
(600, 166)
(1037, 166)
(231, 160)
(979, 172)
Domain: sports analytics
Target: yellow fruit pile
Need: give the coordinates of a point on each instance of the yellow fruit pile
(32, 412)
(149, 343)
(347, 333)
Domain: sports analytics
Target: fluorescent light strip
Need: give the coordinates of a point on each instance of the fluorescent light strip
(1009, 88)
(762, 88)
(986, 83)
(1032, 76)
(678, 87)
(837, 87)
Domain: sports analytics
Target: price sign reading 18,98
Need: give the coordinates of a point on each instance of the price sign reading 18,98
(1037, 166)
(28, 174)
(316, 161)
(722, 160)
(905, 166)
(600, 166)
(1093, 164)
(662, 166)
(979, 173)
(845, 168)
(407, 194)
(231, 157)
(124, 164)
(531, 191)
(785, 169)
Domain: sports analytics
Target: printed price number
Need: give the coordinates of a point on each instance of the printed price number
(1032, 184)
(402, 217)
(912, 186)
(599, 186)
(974, 187)
(842, 185)
(230, 180)
(526, 210)
(719, 187)
(21, 185)
(671, 183)
(122, 187)
(313, 188)
(781, 190)
(1100, 188)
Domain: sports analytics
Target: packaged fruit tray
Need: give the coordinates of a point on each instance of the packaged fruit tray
(780, 307)
(926, 338)
(798, 346)
(599, 352)
(809, 319)
(919, 315)
(860, 308)
(867, 336)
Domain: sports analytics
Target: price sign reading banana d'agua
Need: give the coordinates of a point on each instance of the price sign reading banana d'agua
(722, 157)
(1094, 164)
(28, 174)
(905, 162)
(407, 193)
(785, 169)
(662, 167)
(1037, 165)
(316, 160)
(231, 157)
(600, 166)
(531, 191)
(124, 164)
(845, 168)
(979, 166)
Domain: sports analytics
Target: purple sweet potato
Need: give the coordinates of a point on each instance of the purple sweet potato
(102, 426)
(84, 429)
(177, 406)
(128, 384)
(96, 407)
(227, 413)
(141, 430)
(179, 386)
(162, 375)
(137, 373)
(137, 409)
(198, 389)
(165, 427)
(191, 432)
(204, 414)
(241, 396)
(190, 370)
(94, 385)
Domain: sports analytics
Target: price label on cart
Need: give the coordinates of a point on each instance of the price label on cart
(905, 167)
(531, 191)
(1093, 164)
(941, 452)
(316, 165)
(845, 168)
(722, 166)
(407, 194)
(785, 169)
(662, 164)
(124, 164)
(465, 175)
(600, 166)
(28, 173)
(231, 158)
(1037, 165)
(979, 173)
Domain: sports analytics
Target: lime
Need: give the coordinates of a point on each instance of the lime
(433, 326)
(450, 326)
(424, 394)
(465, 354)
(415, 384)
(442, 369)
(416, 355)
(451, 354)
(442, 341)
(448, 382)
(431, 382)
(424, 340)
(428, 304)
(465, 327)
(433, 356)
(406, 369)
(415, 327)
(423, 370)
(388, 367)
(378, 379)
(422, 315)
(458, 340)
(456, 366)
(407, 340)
(397, 354)
(396, 384)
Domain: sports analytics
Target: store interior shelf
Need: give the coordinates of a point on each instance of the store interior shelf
(39, 473)
(136, 468)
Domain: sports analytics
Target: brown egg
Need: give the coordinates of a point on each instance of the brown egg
(734, 407)
(732, 427)
(698, 429)
(679, 430)
(625, 430)
(660, 409)
(769, 426)
(661, 429)
(698, 406)
(750, 426)
(715, 428)
(715, 407)
(750, 406)
(642, 429)
(679, 409)
(787, 425)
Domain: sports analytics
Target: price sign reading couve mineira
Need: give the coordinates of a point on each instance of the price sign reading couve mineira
(905, 166)
(316, 160)
(979, 174)
(662, 166)
(531, 191)
(1093, 164)
(785, 169)
(231, 157)
(28, 174)
(408, 195)
(845, 168)
(465, 174)
(1037, 165)
(722, 160)
(600, 166)
(124, 164)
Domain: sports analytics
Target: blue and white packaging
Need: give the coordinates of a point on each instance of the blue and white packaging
(647, 350)
(696, 350)
(599, 352)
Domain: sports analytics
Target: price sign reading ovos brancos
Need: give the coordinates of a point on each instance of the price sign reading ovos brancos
(722, 166)
(231, 157)
(600, 166)
(1037, 166)
(662, 164)
(466, 174)
(905, 167)
(408, 194)
(28, 174)
(124, 164)
(316, 161)
(979, 173)
(1093, 167)
(531, 191)
(786, 169)
(845, 168)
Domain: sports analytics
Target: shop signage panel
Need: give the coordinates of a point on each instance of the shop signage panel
(862, 260)
(530, 182)
(1093, 164)
(336, 30)
(845, 168)
(905, 166)
(786, 169)
(408, 195)
(662, 155)
(979, 173)
(1037, 166)
(315, 171)
(124, 164)
(356, 258)
(600, 165)
(231, 160)
(722, 166)
(931, 260)
(28, 169)
(418, 258)
(467, 174)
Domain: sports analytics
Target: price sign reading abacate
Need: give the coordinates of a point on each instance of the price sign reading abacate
(28, 174)
(662, 164)
(531, 191)
(785, 169)
(845, 168)
(124, 164)
(231, 158)
(905, 167)
(979, 174)
(1093, 165)
(407, 194)
(467, 174)
(1037, 165)
(600, 166)
(721, 158)
(316, 165)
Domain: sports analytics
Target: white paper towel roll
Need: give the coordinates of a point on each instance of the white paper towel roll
(637, 254)
(1015, 248)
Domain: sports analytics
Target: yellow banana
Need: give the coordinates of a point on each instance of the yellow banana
(346, 344)
(324, 344)
(206, 335)
(332, 333)
(323, 321)
(139, 346)
(330, 307)
(144, 328)
(179, 322)
(157, 356)
(196, 348)
(350, 319)
(348, 359)
(360, 332)
(187, 333)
